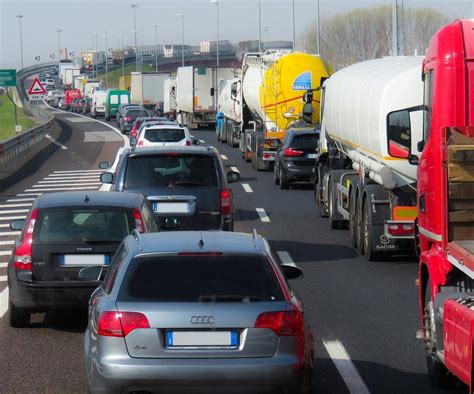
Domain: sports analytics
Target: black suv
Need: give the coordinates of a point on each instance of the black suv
(63, 233)
(187, 186)
(296, 157)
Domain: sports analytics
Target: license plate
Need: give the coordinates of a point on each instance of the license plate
(202, 338)
(171, 207)
(83, 260)
(311, 155)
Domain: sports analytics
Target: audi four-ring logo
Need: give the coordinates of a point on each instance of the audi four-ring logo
(203, 320)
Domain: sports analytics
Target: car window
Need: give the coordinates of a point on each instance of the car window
(148, 218)
(305, 140)
(200, 278)
(115, 265)
(78, 225)
(170, 170)
(135, 113)
(124, 99)
(114, 99)
(164, 135)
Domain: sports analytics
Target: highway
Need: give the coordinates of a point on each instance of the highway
(364, 315)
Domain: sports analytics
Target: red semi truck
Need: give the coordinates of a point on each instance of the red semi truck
(445, 193)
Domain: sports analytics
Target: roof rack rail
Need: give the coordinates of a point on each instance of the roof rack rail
(255, 235)
(138, 237)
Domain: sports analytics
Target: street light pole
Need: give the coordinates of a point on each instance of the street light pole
(318, 40)
(182, 39)
(259, 26)
(216, 2)
(293, 16)
(20, 17)
(142, 49)
(106, 59)
(156, 46)
(59, 44)
(123, 55)
(134, 6)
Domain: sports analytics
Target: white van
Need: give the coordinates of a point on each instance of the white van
(99, 97)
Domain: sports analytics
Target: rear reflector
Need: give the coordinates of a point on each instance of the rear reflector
(401, 229)
(188, 143)
(120, 324)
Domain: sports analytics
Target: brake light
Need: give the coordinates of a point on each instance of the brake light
(120, 324)
(126, 119)
(226, 202)
(133, 133)
(22, 259)
(293, 153)
(141, 143)
(282, 323)
(188, 143)
(137, 216)
(401, 229)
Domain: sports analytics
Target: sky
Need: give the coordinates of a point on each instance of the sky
(238, 21)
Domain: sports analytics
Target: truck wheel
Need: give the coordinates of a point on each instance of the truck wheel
(276, 180)
(353, 218)
(438, 373)
(370, 253)
(19, 318)
(284, 182)
(333, 222)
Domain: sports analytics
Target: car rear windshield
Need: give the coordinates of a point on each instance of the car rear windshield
(170, 170)
(164, 135)
(135, 113)
(306, 141)
(200, 278)
(82, 225)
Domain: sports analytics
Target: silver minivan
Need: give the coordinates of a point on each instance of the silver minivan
(197, 312)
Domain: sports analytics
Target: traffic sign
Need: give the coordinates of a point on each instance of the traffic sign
(37, 90)
(8, 78)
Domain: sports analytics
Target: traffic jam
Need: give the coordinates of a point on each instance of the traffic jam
(181, 294)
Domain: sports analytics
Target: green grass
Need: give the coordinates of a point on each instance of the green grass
(7, 118)
(113, 76)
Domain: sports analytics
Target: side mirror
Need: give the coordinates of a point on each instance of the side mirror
(107, 177)
(233, 176)
(171, 224)
(212, 92)
(104, 165)
(17, 225)
(133, 141)
(399, 134)
(90, 273)
(307, 112)
(196, 141)
(291, 271)
(413, 160)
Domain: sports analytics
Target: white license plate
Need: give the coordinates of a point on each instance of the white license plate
(83, 260)
(171, 207)
(202, 338)
(311, 155)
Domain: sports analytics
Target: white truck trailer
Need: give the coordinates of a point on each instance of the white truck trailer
(69, 74)
(147, 88)
(372, 118)
(169, 98)
(196, 103)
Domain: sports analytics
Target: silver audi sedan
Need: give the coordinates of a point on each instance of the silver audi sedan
(197, 312)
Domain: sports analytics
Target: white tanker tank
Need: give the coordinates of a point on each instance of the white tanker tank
(357, 102)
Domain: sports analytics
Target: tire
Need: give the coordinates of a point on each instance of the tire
(19, 318)
(332, 202)
(276, 180)
(284, 182)
(367, 229)
(353, 218)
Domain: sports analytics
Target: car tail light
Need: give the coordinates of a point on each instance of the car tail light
(133, 133)
(120, 324)
(126, 119)
(141, 143)
(404, 229)
(282, 323)
(293, 153)
(139, 225)
(188, 143)
(226, 202)
(23, 253)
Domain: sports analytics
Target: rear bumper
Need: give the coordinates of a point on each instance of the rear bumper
(299, 172)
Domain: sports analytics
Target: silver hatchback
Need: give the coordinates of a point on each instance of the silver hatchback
(197, 312)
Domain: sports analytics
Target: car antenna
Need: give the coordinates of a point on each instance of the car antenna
(87, 199)
(201, 242)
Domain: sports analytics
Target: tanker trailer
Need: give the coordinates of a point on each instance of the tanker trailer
(372, 120)
(270, 96)
(230, 130)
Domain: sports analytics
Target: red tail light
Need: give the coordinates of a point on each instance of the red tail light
(283, 323)
(133, 133)
(139, 225)
(126, 119)
(120, 324)
(293, 153)
(141, 143)
(22, 258)
(188, 143)
(401, 229)
(226, 202)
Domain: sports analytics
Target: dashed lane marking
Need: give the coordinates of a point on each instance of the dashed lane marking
(3, 302)
(7, 242)
(68, 184)
(224, 157)
(247, 188)
(71, 178)
(12, 217)
(3, 265)
(235, 169)
(263, 215)
(5, 225)
(9, 233)
(21, 199)
(3, 278)
(345, 367)
(63, 188)
(55, 142)
(5, 252)
(14, 211)
(79, 120)
(285, 257)
(29, 194)
(16, 205)
(76, 172)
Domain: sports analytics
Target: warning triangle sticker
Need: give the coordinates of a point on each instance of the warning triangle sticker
(36, 87)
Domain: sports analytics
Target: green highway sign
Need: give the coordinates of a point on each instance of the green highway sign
(8, 78)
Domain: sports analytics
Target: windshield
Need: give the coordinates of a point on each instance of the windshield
(201, 278)
(170, 170)
(164, 135)
(135, 113)
(305, 141)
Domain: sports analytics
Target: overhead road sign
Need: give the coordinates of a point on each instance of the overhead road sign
(37, 90)
(7, 78)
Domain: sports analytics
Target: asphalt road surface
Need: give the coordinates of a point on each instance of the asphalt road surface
(364, 315)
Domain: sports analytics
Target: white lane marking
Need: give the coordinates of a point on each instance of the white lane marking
(29, 194)
(263, 215)
(285, 257)
(235, 169)
(21, 199)
(79, 120)
(224, 157)
(55, 142)
(9, 233)
(12, 217)
(77, 172)
(70, 178)
(7, 242)
(3, 302)
(5, 225)
(247, 188)
(345, 367)
(3, 278)
(5, 252)
(62, 188)
(29, 204)
(68, 184)
(3, 265)
(14, 211)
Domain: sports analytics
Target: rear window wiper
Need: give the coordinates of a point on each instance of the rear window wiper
(98, 241)
(231, 298)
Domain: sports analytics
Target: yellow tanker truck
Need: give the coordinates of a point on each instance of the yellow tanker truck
(270, 94)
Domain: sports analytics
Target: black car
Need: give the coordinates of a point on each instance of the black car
(129, 116)
(63, 233)
(86, 108)
(187, 186)
(121, 108)
(296, 157)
